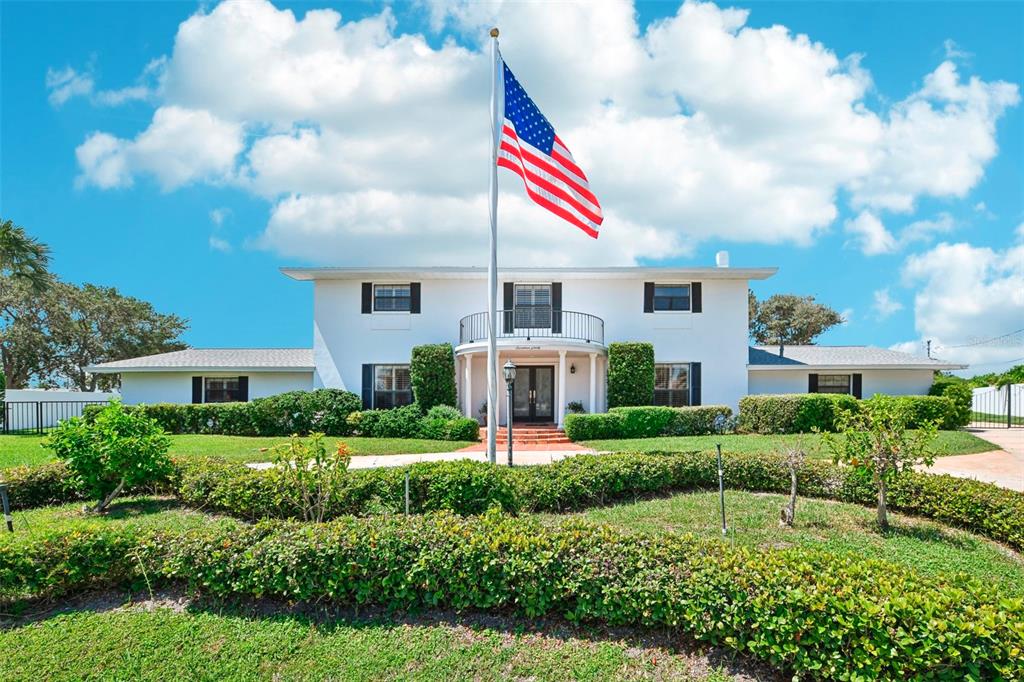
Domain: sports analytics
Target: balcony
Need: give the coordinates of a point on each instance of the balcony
(534, 322)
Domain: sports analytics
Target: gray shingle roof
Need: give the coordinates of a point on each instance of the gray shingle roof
(840, 356)
(215, 359)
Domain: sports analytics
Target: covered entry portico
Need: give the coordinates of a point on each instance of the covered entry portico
(550, 375)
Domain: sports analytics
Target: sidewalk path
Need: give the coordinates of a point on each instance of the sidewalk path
(520, 457)
(1003, 467)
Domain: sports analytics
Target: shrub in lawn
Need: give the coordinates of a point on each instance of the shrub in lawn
(877, 444)
(805, 611)
(962, 397)
(3, 393)
(599, 426)
(118, 448)
(792, 413)
(648, 421)
(630, 374)
(432, 375)
(309, 475)
(939, 410)
(442, 422)
(40, 485)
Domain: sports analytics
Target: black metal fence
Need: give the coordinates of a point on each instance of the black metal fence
(41, 416)
(534, 322)
(998, 407)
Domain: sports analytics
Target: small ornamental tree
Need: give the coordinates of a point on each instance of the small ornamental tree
(432, 374)
(794, 453)
(309, 476)
(117, 449)
(875, 441)
(630, 374)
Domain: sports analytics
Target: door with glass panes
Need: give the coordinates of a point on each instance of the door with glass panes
(534, 394)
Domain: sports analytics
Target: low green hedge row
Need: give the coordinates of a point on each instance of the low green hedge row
(441, 422)
(648, 422)
(468, 487)
(805, 412)
(325, 410)
(804, 611)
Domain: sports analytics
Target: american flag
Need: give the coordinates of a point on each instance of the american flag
(530, 147)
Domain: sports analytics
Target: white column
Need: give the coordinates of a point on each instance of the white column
(499, 382)
(467, 387)
(592, 405)
(560, 392)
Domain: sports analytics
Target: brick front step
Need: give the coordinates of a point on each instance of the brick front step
(529, 435)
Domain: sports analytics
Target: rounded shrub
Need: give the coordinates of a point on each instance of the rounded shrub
(630, 374)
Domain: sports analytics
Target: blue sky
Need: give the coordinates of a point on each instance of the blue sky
(184, 168)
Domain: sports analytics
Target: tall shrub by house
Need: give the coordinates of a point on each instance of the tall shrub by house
(432, 373)
(630, 374)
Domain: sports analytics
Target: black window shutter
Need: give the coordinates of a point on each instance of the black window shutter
(556, 307)
(414, 297)
(367, 387)
(243, 389)
(695, 383)
(858, 385)
(197, 389)
(696, 305)
(509, 304)
(648, 297)
(367, 298)
(812, 383)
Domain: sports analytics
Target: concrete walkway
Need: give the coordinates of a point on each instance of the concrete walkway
(1003, 467)
(519, 457)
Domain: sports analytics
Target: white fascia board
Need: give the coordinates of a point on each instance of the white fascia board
(361, 273)
(825, 368)
(249, 370)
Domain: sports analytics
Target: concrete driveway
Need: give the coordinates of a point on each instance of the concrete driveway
(1003, 467)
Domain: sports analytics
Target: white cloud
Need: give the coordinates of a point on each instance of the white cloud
(966, 294)
(870, 235)
(926, 230)
(180, 146)
(885, 306)
(219, 244)
(66, 83)
(695, 128)
(219, 215)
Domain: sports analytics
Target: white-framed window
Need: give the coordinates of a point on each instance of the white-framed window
(834, 383)
(391, 386)
(532, 305)
(222, 390)
(672, 384)
(392, 298)
(671, 298)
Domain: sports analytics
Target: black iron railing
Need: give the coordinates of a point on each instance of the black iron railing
(998, 407)
(534, 322)
(41, 416)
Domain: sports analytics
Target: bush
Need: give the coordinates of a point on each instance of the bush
(432, 374)
(440, 423)
(792, 413)
(325, 410)
(802, 610)
(630, 374)
(943, 410)
(648, 421)
(118, 449)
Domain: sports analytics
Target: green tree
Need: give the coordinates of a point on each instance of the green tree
(785, 319)
(23, 258)
(117, 450)
(25, 347)
(874, 440)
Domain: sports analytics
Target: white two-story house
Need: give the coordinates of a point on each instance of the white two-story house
(555, 324)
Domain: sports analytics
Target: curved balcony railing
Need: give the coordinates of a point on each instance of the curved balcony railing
(534, 322)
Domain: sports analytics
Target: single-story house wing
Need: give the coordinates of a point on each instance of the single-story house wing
(211, 375)
(860, 371)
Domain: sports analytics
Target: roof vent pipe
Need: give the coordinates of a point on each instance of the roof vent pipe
(722, 259)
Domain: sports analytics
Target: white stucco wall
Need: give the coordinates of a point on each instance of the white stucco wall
(344, 338)
(887, 381)
(176, 387)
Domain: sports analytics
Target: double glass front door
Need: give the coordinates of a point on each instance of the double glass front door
(534, 394)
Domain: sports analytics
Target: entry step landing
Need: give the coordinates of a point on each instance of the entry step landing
(530, 434)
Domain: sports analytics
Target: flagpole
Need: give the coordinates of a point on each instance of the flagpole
(497, 116)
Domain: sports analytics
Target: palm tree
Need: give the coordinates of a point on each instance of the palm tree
(22, 257)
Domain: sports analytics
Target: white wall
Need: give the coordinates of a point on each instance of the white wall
(887, 381)
(176, 387)
(344, 339)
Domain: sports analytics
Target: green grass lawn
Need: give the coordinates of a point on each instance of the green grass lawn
(752, 519)
(1000, 419)
(946, 443)
(16, 450)
(167, 642)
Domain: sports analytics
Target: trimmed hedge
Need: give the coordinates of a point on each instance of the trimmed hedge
(630, 374)
(962, 396)
(432, 374)
(325, 410)
(802, 610)
(647, 422)
(442, 422)
(792, 413)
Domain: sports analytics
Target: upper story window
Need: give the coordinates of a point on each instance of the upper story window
(222, 390)
(533, 305)
(672, 384)
(391, 386)
(392, 298)
(671, 297)
(834, 383)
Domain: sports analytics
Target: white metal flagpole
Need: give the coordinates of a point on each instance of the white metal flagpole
(497, 117)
